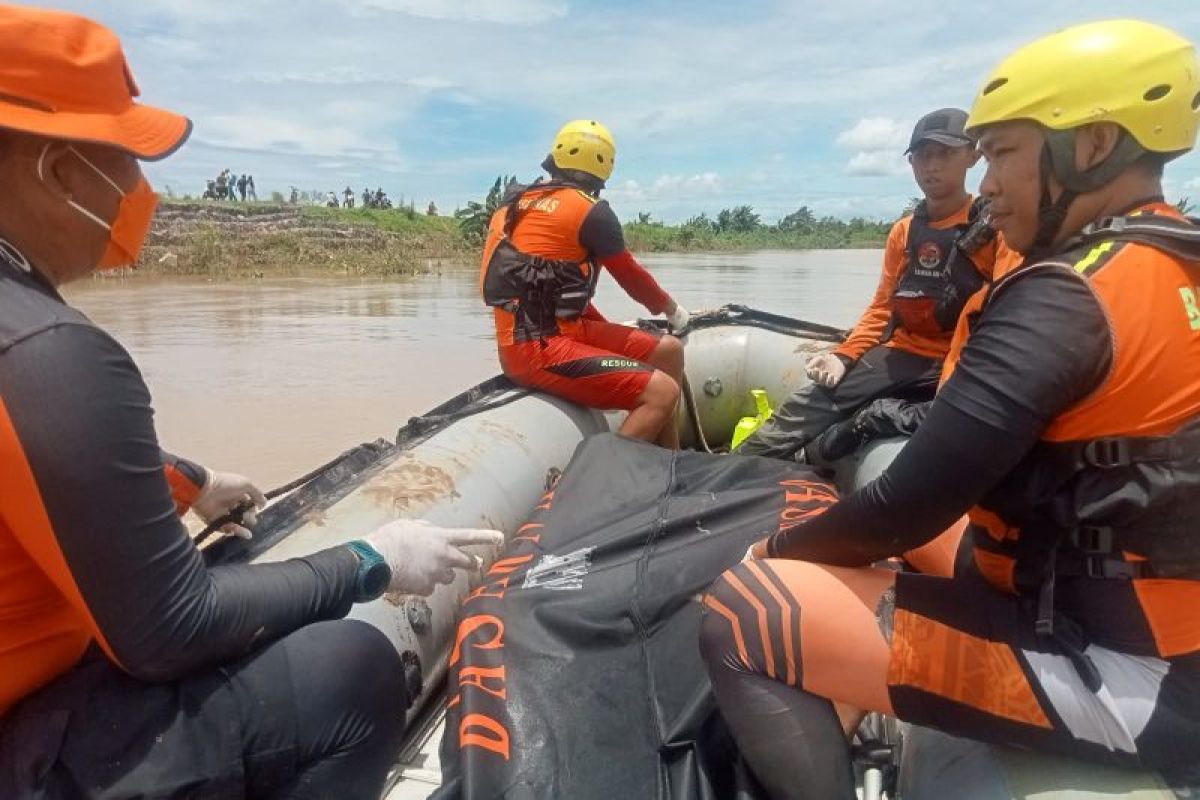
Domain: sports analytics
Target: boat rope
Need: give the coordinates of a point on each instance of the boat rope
(693, 413)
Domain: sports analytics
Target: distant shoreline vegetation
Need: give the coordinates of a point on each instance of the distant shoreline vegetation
(738, 228)
(255, 239)
(226, 239)
(219, 239)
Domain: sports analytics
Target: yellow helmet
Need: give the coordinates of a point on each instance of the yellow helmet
(1140, 76)
(585, 145)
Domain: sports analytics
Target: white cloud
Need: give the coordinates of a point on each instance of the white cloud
(872, 134)
(263, 131)
(868, 206)
(625, 192)
(878, 142)
(668, 188)
(434, 98)
(705, 182)
(507, 12)
(345, 75)
(882, 163)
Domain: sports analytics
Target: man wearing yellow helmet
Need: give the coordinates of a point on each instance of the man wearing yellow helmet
(1067, 429)
(541, 263)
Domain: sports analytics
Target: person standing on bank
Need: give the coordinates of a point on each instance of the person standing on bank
(934, 260)
(129, 668)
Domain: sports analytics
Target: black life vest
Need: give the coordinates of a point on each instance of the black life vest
(939, 275)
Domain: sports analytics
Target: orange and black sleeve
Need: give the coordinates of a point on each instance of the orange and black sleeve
(84, 445)
(1040, 346)
(186, 479)
(604, 239)
(874, 322)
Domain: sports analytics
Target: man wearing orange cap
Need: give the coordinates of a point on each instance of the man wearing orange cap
(128, 668)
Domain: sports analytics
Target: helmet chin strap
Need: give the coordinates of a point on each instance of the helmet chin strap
(585, 181)
(1051, 213)
(1058, 159)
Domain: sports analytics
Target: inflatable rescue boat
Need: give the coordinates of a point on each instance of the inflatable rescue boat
(485, 457)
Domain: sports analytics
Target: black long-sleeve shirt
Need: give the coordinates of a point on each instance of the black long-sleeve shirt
(91, 547)
(1041, 345)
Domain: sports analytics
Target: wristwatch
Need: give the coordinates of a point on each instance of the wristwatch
(374, 574)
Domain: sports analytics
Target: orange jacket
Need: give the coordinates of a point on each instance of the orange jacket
(873, 324)
(550, 222)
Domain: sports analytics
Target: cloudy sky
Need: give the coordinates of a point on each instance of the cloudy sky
(775, 103)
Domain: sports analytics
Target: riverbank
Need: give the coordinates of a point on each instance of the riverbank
(245, 240)
(230, 240)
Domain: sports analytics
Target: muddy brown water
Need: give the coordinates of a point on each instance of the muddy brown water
(272, 377)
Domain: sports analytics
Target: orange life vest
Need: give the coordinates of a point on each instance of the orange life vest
(535, 273)
(1113, 489)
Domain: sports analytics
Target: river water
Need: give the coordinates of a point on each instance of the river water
(272, 377)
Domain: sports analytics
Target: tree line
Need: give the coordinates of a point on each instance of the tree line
(741, 227)
(732, 228)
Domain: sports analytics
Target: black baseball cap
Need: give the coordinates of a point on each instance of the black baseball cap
(944, 125)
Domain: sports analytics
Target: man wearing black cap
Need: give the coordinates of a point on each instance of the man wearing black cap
(935, 258)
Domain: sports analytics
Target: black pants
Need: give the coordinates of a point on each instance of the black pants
(881, 372)
(317, 714)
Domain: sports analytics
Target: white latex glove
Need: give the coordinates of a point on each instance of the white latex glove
(826, 369)
(222, 493)
(678, 318)
(422, 554)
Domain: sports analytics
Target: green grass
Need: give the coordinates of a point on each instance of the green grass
(391, 220)
(394, 241)
(252, 239)
(656, 238)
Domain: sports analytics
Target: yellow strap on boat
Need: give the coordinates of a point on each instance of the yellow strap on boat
(748, 425)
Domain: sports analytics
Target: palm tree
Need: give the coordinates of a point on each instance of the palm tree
(801, 220)
(475, 218)
(740, 219)
(700, 222)
(1185, 206)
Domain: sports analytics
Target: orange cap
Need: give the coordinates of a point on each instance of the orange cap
(65, 77)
